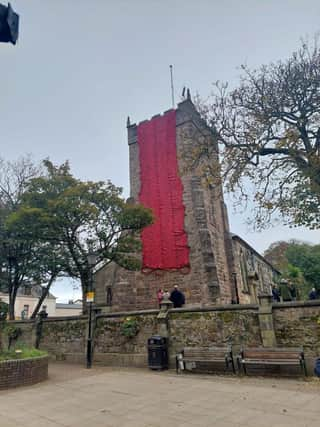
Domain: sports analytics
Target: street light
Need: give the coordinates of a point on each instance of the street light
(92, 259)
(9, 24)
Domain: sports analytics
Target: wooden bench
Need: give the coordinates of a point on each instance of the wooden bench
(194, 355)
(272, 356)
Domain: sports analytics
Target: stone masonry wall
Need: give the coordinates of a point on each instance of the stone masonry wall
(27, 334)
(239, 327)
(296, 324)
(65, 339)
(254, 276)
(112, 348)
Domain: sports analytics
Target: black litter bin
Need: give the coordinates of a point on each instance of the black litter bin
(157, 352)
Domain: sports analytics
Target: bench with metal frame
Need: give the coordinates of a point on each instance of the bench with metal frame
(283, 356)
(194, 355)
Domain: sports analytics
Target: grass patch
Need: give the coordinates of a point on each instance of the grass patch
(21, 353)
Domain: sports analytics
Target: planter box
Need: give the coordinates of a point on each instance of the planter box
(15, 373)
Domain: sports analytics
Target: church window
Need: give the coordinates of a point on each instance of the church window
(109, 295)
(244, 272)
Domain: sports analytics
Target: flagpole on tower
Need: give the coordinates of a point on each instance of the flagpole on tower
(172, 88)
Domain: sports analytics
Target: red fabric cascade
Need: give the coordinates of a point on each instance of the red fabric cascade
(164, 243)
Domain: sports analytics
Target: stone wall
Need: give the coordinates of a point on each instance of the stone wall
(112, 348)
(65, 338)
(295, 324)
(186, 327)
(238, 326)
(298, 324)
(253, 274)
(27, 335)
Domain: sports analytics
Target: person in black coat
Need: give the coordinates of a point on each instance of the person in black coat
(293, 291)
(275, 293)
(313, 294)
(177, 297)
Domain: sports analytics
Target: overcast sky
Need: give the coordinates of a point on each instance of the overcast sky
(82, 66)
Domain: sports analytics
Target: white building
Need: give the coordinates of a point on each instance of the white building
(70, 309)
(27, 299)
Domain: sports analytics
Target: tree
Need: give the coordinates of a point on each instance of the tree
(268, 129)
(83, 217)
(16, 250)
(298, 261)
(276, 255)
(306, 257)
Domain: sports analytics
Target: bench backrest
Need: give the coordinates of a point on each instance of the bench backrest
(272, 353)
(201, 352)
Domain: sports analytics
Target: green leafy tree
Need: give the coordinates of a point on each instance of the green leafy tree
(51, 262)
(17, 251)
(297, 261)
(83, 217)
(295, 276)
(268, 129)
(307, 258)
(276, 255)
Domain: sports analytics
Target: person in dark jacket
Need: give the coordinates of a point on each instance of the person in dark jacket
(177, 297)
(284, 291)
(293, 291)
(313, 294)
(275, 293)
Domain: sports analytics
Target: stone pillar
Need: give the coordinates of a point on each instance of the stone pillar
(162, 318)
(163, 323)
(266, 321)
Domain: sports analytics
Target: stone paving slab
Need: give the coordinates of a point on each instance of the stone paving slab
(111, 397)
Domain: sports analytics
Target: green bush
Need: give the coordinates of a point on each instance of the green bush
(21, 353)
(129, 328)
(4, 308)
(12, 332)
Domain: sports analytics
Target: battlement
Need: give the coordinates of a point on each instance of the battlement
(186, 112)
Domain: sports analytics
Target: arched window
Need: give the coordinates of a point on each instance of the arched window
(244, 272)
(109, 295)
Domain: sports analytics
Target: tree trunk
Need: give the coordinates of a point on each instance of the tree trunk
(12, 301)
(45, 292)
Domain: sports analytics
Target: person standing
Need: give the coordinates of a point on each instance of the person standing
(293, 291)
(284, 291)
(160, 296)
(313, 294)
(177, 297)
(275, 293)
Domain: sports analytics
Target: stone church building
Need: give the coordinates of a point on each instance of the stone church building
(189, 244)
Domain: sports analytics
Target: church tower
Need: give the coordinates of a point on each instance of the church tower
(189, 244)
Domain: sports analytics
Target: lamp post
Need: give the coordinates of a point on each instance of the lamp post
(92, 259)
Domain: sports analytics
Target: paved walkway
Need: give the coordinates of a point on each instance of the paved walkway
(105, 397)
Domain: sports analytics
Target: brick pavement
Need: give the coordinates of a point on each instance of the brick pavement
(105, 397)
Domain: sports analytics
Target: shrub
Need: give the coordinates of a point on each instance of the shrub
(21, 353)
(13, 333)
(129, 328)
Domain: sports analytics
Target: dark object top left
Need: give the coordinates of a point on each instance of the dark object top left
(9, 24)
